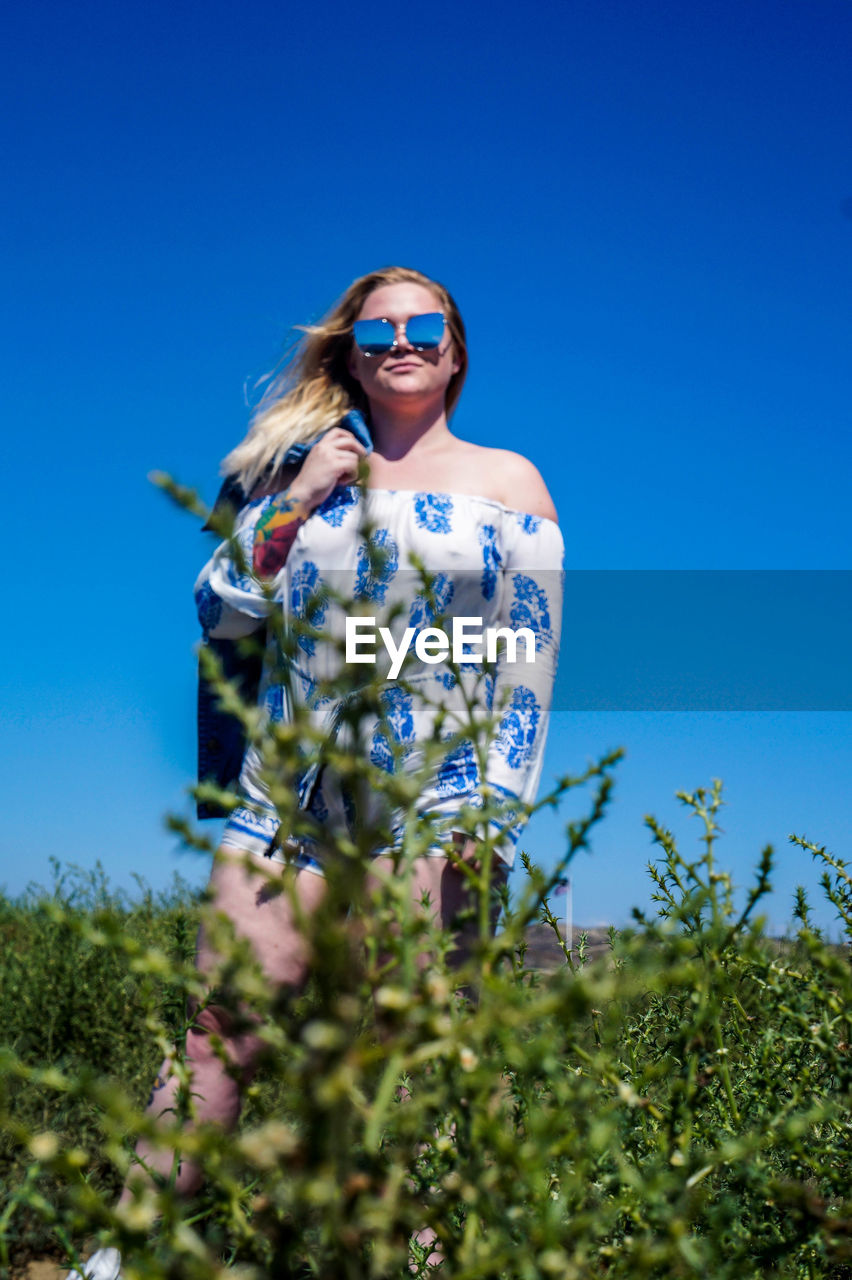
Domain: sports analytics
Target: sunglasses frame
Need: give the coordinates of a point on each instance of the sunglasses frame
(383, 320)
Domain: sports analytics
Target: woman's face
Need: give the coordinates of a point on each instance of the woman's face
(403, 376)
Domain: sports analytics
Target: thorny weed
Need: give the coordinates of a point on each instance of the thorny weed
(679, 1108)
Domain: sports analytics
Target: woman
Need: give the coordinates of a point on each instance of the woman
(480, 519)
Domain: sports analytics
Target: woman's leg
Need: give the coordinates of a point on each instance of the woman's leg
(449, 892)
(242, 888)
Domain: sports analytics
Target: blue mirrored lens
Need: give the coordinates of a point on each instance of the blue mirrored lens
(425, 332)
(373, 337)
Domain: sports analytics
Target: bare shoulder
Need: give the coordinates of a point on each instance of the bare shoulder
(514, 480)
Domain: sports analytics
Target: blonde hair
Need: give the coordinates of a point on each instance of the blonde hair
(315, 389)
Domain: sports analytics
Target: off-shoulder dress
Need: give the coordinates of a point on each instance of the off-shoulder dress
(484, 563)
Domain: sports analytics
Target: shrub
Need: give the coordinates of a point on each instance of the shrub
(680, 1109)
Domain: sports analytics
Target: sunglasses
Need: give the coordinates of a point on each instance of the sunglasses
(377, 337)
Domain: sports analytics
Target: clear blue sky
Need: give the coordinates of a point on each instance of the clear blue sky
(645, 213)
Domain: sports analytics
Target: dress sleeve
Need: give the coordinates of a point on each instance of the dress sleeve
(231, 602)
(531, 597)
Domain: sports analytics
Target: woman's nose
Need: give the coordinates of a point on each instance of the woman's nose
(401, 337)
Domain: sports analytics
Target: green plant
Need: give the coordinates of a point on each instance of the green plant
(679, 1109)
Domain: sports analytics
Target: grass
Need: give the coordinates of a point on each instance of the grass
(681, 1110)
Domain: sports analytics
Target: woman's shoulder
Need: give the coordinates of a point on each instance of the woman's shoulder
(511, 479)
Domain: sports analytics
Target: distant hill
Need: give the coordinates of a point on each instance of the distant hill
(544, 952)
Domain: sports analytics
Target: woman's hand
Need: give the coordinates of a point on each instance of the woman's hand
(333, 460)
(467, 849)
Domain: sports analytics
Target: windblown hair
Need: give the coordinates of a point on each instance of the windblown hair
(315, 389)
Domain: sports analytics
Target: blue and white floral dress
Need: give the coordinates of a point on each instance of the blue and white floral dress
(486, 562)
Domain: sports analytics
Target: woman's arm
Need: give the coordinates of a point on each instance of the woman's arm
(276, 531)
(332, 461)
(230, 598)
(523, 691)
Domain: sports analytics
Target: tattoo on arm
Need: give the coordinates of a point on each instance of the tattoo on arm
(275, 533)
